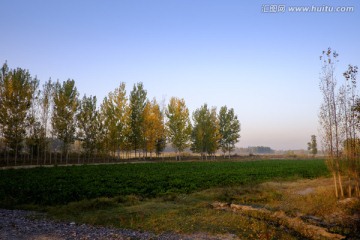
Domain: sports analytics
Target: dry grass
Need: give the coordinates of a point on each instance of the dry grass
(310, 200)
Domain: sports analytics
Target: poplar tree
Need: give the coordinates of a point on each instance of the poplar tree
(153, 126)
(115, 119)
(88, 124)
(17, 89)
(66, 105)
(205, 133)
(161, 140)
(339, 124)
(45, 102)
(34, 129)
(178, 125)
(312, 145)
(137, 106)
(229, 129)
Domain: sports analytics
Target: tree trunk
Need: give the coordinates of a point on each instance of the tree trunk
(340, 185)
(16, 153)
(38, 153)
(45, 154)
(7, 155)
(349, 188)
(50, 154)
(31, 155)
(335, 184)
(66, 157)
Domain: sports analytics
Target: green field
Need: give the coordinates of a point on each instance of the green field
(179, 196)
(61, 185)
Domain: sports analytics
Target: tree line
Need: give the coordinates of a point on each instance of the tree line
(41, 124)
(340, 124)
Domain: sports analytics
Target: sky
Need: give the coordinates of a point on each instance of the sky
(263, 64)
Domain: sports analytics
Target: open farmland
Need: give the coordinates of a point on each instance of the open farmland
(263, 199)
(61, 185)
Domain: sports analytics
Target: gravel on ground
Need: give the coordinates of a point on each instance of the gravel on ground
(29, 225)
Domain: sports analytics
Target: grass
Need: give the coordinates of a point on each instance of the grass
(185, 213)
(193, 213)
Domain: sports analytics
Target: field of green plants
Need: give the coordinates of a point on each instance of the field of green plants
(61, 185)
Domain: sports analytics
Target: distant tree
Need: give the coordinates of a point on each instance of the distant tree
(66, 105)
(17, 89)
(205, 133)
(229, 129)
(312, 145)
(260, 150)
(88, 124)
(137, 105)
(178, 125)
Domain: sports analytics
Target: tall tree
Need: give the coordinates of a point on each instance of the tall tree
(329, 116)
(351, 103)
(312, 145)
(66, 105)
(45, 102)
(229, 129)
(88, 124)
(178, 125)
(17, 88)
(34, 129)
(137, 106)
(153, 126)
(115, 119)
(351, 144)
(161, 142)
(205, 133)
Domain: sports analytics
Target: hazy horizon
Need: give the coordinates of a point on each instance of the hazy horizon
(264, 65)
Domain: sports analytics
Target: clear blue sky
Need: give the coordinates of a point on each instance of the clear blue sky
(264, 65)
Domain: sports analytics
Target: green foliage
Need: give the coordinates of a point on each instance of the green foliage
(35, 131)
(178, 124)
(205, 133)
(115, 118)
(64, 113)
(17, 89)
(312, 145)
(61, 185)
(88, 124)
(45, 101)
(229, 129)
(137, 106)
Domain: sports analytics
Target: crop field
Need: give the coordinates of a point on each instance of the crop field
(258, 199)
(61, 185)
